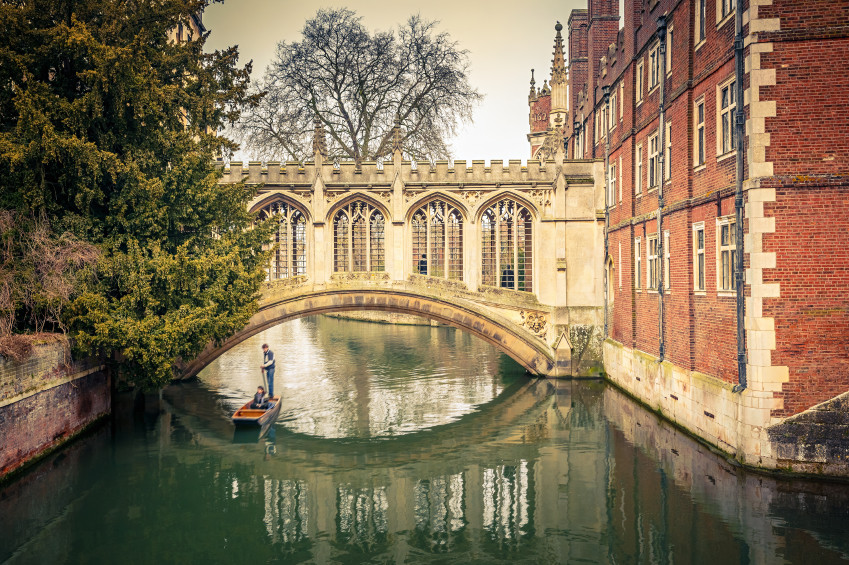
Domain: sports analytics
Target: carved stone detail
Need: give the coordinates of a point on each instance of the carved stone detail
(331, 196)
(535, 322)
(306, 196)
(410, 195)
(472, 196)
(542, 197)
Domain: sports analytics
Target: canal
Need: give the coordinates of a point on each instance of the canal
(404, 444)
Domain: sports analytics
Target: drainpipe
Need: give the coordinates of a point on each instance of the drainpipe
(605, 92)
(661, 140)
(739, 273)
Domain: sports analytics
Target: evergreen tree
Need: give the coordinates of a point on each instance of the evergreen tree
(107, 130)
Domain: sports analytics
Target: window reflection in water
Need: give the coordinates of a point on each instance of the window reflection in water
(287, 514)
(507, 506)
(440, 511)
(361, 515)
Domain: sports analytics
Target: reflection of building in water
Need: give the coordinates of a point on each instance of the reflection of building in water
(361, 515)
(507, 501)
(440, 510)
(287, 511)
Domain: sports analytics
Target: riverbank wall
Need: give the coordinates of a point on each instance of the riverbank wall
(46, 400)
(740, 423)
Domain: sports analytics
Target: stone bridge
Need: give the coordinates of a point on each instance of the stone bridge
(510, 253)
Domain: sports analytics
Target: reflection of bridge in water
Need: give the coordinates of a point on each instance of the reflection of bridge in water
(511, 253)
(476, 474)
(538, 467)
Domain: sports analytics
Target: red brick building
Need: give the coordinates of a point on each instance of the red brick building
(677, 347)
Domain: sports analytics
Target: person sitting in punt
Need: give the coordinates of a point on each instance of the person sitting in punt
(259, 399)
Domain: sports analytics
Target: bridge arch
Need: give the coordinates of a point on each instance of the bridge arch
(514, 340)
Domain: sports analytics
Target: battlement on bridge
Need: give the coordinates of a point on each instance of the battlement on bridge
(443, 172)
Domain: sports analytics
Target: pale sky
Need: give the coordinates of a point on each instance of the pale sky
(505, 40)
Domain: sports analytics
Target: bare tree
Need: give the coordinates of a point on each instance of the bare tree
(358, 84)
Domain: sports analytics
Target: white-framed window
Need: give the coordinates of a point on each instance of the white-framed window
(638, 170)
(611, 184)
(595, 128)
(724, 9)
(611, 118)
(699, 141)
(726, 252)
(667, 154)
(701, 13)
(699, 256)
(654, 161)
(727, 103)
(640, 75)
(619, 170)
(653, 264)
(654, 67)
(638, 263)
(621, 100)
(669, 33)
(667, 280)
(620, 264)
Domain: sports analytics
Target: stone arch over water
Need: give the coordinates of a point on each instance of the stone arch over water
(521, 345)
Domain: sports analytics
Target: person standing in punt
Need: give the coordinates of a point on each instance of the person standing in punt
(268, 367)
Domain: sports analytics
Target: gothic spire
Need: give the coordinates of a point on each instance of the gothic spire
(396, 135)
(558, 64)
(319, 142)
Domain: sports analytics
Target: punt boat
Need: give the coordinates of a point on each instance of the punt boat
(257, 417)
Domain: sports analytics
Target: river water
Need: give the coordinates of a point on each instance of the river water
(404, 444)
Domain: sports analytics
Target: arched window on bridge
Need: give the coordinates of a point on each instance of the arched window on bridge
(359, 242)
(507, 246)
(438, 241)
(290, 257)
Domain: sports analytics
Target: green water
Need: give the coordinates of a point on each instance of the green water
(404, 444)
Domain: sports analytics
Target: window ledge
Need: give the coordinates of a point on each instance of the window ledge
(699, 44)
(640, 101)
(699, 168)
(726, 293)
(725, 19)
(697, 292)
(725, 156)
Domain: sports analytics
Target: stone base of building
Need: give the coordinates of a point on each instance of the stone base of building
(46, 402)
(736, 423)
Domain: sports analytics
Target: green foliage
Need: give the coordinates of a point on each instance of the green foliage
(107, 129)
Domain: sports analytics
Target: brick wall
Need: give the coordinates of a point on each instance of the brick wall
(46, 401)
(811, 243)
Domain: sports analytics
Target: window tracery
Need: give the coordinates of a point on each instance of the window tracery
(290, 255)
(438, 240)
(359, 242)
(507, 246)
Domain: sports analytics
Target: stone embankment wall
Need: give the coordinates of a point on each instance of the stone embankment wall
(46, 400)
(814, 442)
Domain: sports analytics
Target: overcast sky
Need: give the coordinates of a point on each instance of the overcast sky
(505, 39)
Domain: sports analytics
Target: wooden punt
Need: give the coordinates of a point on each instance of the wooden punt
(257, 417)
